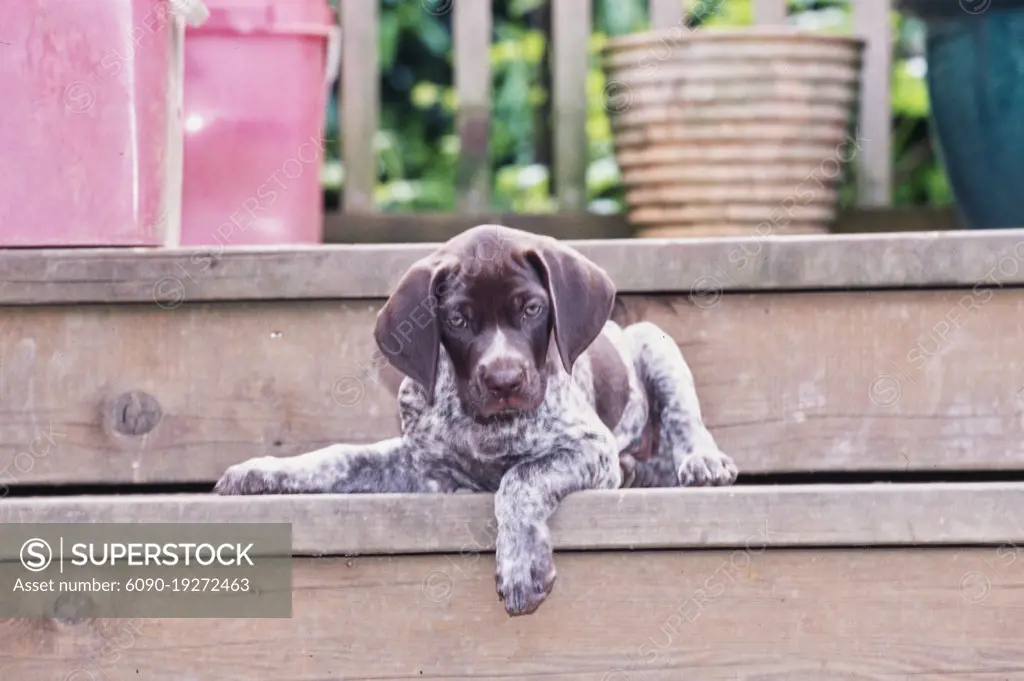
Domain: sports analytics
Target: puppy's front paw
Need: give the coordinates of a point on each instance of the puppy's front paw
(707, 468)
(262, 475)
(525, 575)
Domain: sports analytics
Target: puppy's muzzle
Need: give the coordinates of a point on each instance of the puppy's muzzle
(505, 384)
(504, 381)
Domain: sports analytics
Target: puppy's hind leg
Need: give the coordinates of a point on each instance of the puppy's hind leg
(683, 437)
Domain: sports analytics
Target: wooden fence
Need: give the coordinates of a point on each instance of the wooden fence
(570, 29)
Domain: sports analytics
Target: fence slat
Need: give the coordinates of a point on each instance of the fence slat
(666, 13)
(359, 98)
(768, 12)
(570, 30)
(871, 19)
(471, 30)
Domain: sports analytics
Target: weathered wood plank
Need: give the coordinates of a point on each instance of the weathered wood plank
(359, 101)
(666, 14)
(570, 27)
(880, 381)
(390, 228)
(871, 19)
(170, 277)
(415, 228)
(792, 382)
(769, 12)
(775, 516)
(471, 29)
(927, 615)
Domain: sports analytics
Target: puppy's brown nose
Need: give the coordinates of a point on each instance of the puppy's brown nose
(504, 381)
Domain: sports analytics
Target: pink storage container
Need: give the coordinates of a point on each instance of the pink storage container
(90, 128)
(257, 74)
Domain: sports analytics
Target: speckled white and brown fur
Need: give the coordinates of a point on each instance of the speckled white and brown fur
(530, 461)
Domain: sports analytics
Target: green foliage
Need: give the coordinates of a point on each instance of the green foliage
(418, 148)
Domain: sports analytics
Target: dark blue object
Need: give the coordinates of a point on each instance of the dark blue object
(976, 87)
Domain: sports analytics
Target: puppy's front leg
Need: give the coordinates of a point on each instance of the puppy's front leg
(529, 494)
(393, 465)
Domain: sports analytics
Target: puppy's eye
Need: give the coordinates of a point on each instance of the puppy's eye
(533, 309)
(456, 321)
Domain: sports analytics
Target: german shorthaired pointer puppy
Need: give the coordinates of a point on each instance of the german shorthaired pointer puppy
(489, 404)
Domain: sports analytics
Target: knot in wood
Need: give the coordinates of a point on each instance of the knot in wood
(73, 608)
(134, 413)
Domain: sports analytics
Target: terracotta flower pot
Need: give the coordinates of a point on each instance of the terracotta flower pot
(740, 131)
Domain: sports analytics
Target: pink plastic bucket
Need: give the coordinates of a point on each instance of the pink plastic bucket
(257, 75)
(90, 137)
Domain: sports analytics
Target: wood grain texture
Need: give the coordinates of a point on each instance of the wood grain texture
(173, 276)
(788, 383)
(872, 19)
(898, 381)
(391, 228)
(471, 34)
(570, 54)
(359, 101)
(419, 228)
(874, 615)
(666, 14)
(738, 517)
(770, 12)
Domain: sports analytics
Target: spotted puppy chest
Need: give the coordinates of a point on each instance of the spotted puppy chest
(567, 408)
(524, 436)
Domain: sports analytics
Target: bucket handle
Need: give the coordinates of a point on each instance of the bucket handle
(194, 12)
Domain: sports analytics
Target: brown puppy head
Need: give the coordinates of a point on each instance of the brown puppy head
(492, 296)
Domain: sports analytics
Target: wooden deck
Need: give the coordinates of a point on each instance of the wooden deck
(870, 387)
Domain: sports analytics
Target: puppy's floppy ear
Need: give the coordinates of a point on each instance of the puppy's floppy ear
(582, 296)
(407, 329)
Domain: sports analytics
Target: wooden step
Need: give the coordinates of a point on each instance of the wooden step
(830, 355)
(770, 262)
(807, 582)
(895, 357)
(784, 515)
